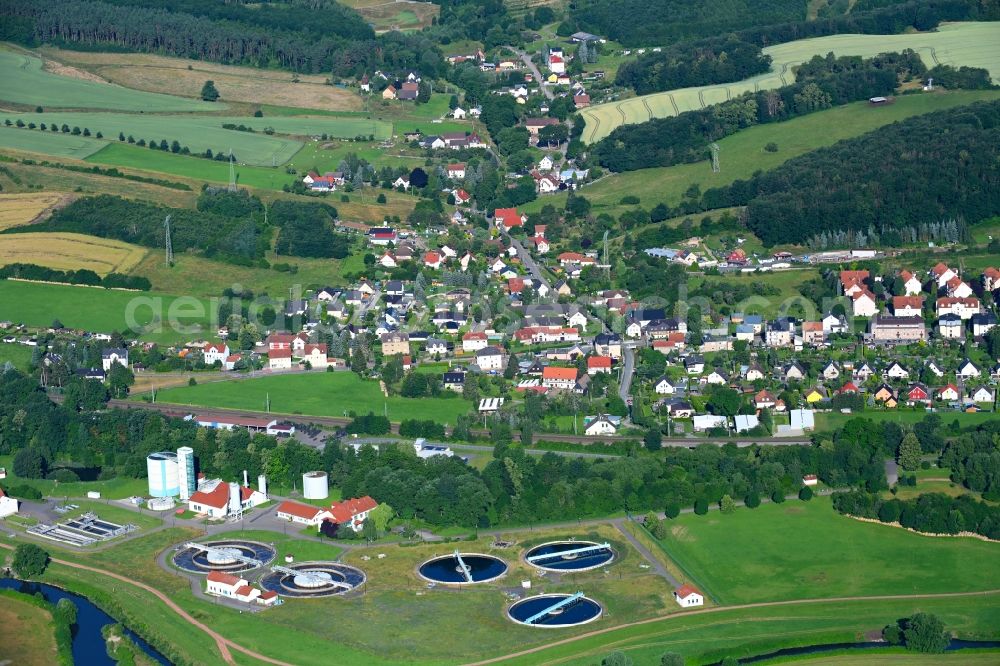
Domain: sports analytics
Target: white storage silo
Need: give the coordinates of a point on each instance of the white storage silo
(161, 471)
(262, 485)
(315, 485)
(186, 480)
(235, 501)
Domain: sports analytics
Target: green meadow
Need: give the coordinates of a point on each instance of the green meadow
(743, 153)
(314, 394)
(49, 143)
(26, 82)
(957, 44)
(804, 550)
(202, 132)
(101, 310)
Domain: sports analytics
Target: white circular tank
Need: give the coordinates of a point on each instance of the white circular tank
(161, 470)
(315, 485)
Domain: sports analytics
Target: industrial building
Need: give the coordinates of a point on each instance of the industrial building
(161, 470)
(226, 500)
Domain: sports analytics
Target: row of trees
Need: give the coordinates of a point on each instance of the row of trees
(81, 276)
(820, 84)
(920, 170)
(933, 513)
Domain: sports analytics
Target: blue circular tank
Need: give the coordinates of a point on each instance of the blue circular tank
(531, 611)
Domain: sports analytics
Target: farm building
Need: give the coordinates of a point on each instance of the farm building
(687, 596)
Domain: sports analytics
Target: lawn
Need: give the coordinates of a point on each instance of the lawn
(830, 421)
(18, 209)
(26, 82)
(103, 310)
(27, 632)
(115, 513)
(743, 153)
(786, 282)
(709, 637)
(203, 132)
(69, 252)
(315, 394)
(18, 355)
(803, 550)
(969, 44)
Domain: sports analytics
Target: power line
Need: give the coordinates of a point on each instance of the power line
(170, 247)
(232, 172)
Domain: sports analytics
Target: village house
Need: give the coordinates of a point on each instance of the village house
(598, 364)
(279, 359)
(897, 330)
(908, 306)
(490, 359)
(951, 327)
(963, 307)
(395, 343)
(559, 378)
(911, 284)
(315, 356)
(215, 352)
(603, 424)
(941, 274)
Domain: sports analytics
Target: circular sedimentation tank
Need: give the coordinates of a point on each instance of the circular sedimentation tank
(225, 555)
(448, 569)
(558, 556)
(577, 612)
(313, 579)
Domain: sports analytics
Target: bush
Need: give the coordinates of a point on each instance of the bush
(752, 500)
(771, 147)
(24, 492)
(629, 199)
(63, 475)
(805, 493)
(701, 506)
(672, 510)
(29, 561)
(777, 497)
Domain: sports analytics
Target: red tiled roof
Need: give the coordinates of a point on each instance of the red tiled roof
(599, 362)
(344, 512)
(474, 335)
(218, 347)
(686, 590)
(279, 353)
(509, 217)
(553, 372)
(222, 577)
(244, 591)
(217, 498)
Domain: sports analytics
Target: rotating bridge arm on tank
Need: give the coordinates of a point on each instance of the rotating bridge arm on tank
(463, 567)
(562, 603)
(224, 553)
(305, 572)
(574, 551)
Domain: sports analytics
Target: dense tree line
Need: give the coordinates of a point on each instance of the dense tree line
(235, 239)
(974, 460)
(299, 36)
(820, 83)
(82, 276)
(658, 22)
(716, 60)
(920, 170)
(306, 230)
(933, 513)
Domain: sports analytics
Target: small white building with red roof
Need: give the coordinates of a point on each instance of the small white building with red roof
(212, 499)
(215, 352)
(687, 596)
(353, 512)
(508, 218)
(304, 514)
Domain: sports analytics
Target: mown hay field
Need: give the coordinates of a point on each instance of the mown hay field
(180, 76)
(25, 81)
(198, 133)
(19, 209)
(957, 44)
(70, 252)
(399, 15)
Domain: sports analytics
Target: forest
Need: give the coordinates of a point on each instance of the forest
(716, 60)
(300, 37)
(919, 171)
(932, 513)
(821, 83)
(761, 22)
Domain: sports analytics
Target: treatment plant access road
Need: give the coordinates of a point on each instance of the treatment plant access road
(179, 411)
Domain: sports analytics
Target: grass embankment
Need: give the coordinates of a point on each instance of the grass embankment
(804, 550)
(116, 488)
(27, 635)
(101, 310)
(315, 394)
(957, 44)
(830, 421)
(743, 153)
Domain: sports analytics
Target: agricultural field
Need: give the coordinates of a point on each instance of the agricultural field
(49, 143)
(958, 44)
(743, 153)
(26, 82)
(314, 394)
(102, 310)
(179, 76)
(200, 133)
(20, 209)
(804, 550)
(69, 252)
(26, 632)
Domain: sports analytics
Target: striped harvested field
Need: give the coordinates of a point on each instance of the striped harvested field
(19, 209)
(66, 252)
(956, 44)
